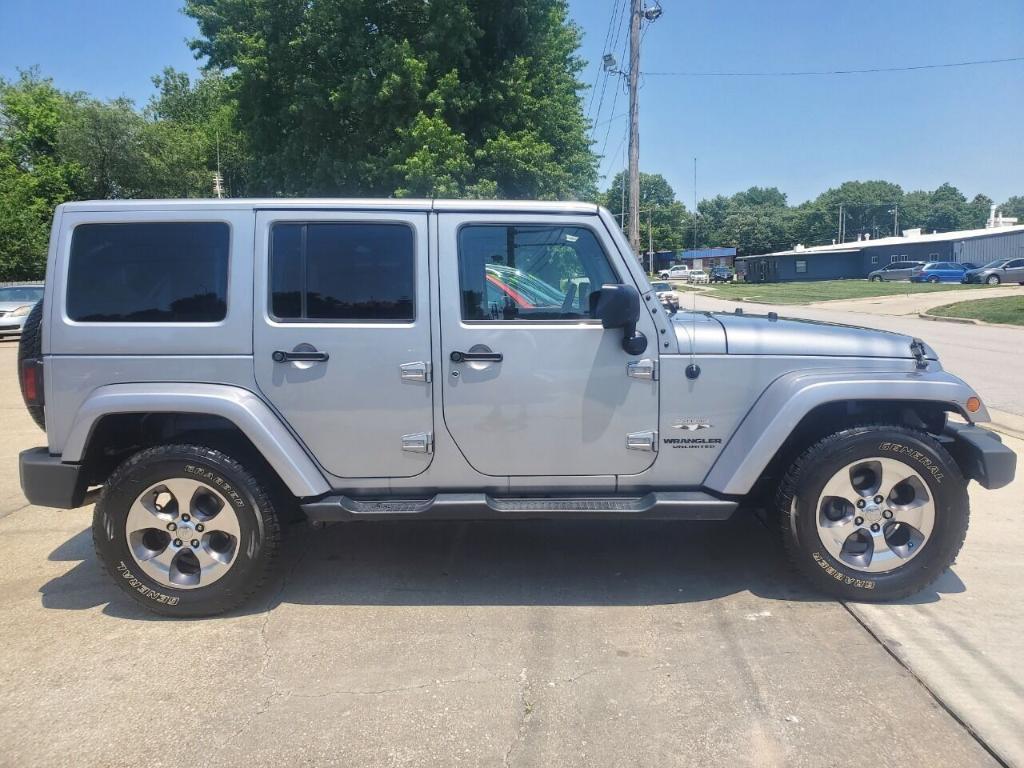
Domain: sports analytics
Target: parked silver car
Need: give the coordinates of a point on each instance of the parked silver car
(898, 270)
(16, 301)
(219, 368)
(996, 272)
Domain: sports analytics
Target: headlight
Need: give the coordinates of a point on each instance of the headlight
(21, 311)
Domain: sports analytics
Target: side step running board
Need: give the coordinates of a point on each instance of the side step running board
(684, 505)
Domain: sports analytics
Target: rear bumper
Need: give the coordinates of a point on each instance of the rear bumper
(46, 481)
(980, 454)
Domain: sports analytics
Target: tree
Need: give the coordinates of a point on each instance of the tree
(191, 131)
(1014, 207)
(359, 97)
(658, 205)
(33, 177)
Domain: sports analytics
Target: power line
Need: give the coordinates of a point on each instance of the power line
(602, 71)
(870, 70)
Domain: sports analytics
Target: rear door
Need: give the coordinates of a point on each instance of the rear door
(1015, 271)
(342, 336)
(554, 393)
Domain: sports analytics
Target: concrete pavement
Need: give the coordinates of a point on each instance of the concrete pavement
(527, 644)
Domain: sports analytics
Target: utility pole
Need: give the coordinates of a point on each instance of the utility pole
(634, 124)
(650, 239)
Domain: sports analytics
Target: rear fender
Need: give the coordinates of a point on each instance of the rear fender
(239, 406)
(790, 397)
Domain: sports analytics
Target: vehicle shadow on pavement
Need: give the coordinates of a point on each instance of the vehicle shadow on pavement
(570, 563)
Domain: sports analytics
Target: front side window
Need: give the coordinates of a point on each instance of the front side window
(530, 272)
(149, 272)
(342, 271)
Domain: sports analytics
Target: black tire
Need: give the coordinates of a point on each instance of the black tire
(802, 486)
(30, 347)
(876, 279)
(258, 521)
(933, 279)
(993, 280)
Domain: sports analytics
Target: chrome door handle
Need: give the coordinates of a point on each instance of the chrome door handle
(476, 357)
(294, 357)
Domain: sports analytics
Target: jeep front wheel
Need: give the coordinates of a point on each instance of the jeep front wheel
(874, 512)
(186, 530)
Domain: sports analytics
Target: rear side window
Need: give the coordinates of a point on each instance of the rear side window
(149, 272)
(342, 271)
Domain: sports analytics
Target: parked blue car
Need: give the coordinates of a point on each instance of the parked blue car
(938, 272)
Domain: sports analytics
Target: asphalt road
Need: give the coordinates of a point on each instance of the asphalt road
(525, 644)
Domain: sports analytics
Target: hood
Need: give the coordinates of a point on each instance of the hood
(768, 335)
(7, 306)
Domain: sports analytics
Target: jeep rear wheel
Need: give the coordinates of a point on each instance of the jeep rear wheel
(874, 512)
(186, 530)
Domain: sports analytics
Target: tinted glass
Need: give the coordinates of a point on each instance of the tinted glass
(166, 272)
(342, 271)
(530, 272)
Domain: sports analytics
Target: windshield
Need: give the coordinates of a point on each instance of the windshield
(25, 293)
(994, 264)
(661, 286)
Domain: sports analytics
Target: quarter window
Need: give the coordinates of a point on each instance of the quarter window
(536, 272)
(342, 271)
(148, 272)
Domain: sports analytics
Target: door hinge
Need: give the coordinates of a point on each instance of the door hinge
(643, 369)
(642, 441)
(419, 442)
(418, 371)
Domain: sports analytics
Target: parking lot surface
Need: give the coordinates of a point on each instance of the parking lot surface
(526, 644)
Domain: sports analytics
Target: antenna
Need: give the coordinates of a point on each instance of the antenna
(218, 179)
(693, 370)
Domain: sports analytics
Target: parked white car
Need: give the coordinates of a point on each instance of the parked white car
(697, 276)
(678, 272)
(16, 301)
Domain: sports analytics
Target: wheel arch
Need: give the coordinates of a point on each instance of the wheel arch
(229, 418)
(801, 407)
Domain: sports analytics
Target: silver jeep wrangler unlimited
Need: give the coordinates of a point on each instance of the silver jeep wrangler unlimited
(216, 369)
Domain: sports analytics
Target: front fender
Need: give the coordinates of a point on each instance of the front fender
(239, 406)
(792, 396)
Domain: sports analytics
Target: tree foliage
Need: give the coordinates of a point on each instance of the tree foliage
(663, 219)
(759, 220)
(359, 97)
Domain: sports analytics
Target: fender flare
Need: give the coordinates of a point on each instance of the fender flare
(792, 396)
(239, 406)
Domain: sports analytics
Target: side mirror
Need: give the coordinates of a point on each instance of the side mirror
(618, 306)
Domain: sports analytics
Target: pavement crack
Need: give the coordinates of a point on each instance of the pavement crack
(272, 602)
(525, 715)
(978, 738)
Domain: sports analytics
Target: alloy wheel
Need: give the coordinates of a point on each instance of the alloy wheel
(875, 515)
(182, 533)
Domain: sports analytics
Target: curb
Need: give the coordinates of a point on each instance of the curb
(1009, 424)
(941, 319)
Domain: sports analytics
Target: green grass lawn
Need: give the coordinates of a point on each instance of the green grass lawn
(824, 290)
(1003, 309)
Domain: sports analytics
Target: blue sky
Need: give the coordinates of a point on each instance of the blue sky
(802, 134)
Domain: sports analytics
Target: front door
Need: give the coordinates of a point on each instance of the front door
(533, 385)
(341, 336)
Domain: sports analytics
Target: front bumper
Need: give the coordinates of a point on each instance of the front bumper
(46, 481)
(980, 454)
